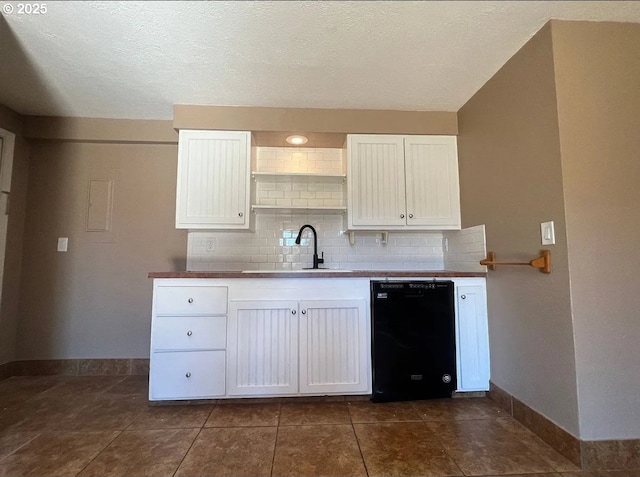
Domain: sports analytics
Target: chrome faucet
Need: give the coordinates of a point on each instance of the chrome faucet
(316, 260)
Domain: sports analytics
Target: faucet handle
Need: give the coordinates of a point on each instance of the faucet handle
(321, 259)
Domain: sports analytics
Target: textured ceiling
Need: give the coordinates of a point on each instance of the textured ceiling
(137, 59)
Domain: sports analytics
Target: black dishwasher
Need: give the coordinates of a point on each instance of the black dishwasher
(413, 340)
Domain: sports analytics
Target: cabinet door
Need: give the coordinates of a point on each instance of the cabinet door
(334, 351)
(262, 347)
(473, 339)
(431, 167)
(213, 179)
(375, 175)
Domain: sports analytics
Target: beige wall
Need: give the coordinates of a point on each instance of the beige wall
(511, 180)
(302, 120)
(95, 300)
(11, 121)
(598, 83)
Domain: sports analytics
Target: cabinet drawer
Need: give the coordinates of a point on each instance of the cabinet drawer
(189, 332)
(191, 300)
(187, 375)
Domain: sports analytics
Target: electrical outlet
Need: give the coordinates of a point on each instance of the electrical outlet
(210, 245)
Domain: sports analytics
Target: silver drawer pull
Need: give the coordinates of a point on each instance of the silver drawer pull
(190, 300)
(464, 297)
(293, 312)
(304, 312)
(240, 214)
(411, 216)
(402, 216)
(188, 375)
(189, 333)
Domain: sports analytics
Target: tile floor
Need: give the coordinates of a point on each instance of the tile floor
(104, 426)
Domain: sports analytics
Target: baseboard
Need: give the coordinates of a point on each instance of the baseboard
(6, 370)
(588, 455)
(613, 454)
(75, 367)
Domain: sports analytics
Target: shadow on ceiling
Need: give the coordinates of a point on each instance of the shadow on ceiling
(22, 87)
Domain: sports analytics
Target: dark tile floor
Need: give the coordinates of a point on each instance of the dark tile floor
(104, 426)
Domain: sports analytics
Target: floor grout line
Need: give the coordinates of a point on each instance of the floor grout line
(275, 448)
(187, 452)
(364, 462)
(99, 452)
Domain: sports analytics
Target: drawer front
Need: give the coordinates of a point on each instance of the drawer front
(191, 300)
(187, 375)
(189, 332)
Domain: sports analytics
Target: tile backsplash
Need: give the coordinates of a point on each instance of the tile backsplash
(301, 160)
(464, 249)
(272, 247)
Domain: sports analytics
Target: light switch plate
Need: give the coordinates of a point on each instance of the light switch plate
(547, 233)
(63, 244)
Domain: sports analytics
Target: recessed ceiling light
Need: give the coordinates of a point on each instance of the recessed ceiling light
(296, 140)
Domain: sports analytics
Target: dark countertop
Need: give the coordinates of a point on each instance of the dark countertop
(321, 274)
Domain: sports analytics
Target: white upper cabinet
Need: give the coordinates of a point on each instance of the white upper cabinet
(375, 181)
(402, 182)
(213, 190)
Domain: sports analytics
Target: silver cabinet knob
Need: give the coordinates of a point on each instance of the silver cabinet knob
(190, 300)
(464, 297)
(402, 216)
(189, 333)
(293, 312)
(240, 214)
(304, 312)
(188, 375)
(411, 216)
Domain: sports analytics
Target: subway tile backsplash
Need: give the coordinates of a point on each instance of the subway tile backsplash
(302, 160)
(272, 247)
(464, 249)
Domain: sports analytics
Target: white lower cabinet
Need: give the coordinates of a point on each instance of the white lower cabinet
(217, 338)
(188, 375)
(333, 346)
(188, 339)
(263, 347)
(472, 336)
(294, 347)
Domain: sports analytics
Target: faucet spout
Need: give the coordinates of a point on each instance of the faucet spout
(316, 260)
